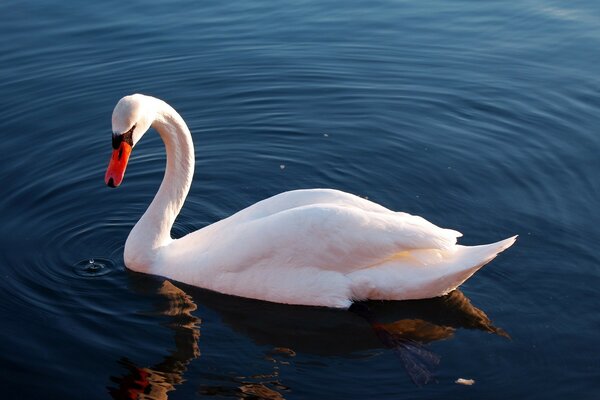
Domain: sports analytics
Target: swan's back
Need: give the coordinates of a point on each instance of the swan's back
(298, 198)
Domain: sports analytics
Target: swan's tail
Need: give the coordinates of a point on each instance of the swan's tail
(478, 256)
(421, 274)
(458, 265)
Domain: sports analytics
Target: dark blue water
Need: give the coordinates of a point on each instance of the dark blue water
(480, 116)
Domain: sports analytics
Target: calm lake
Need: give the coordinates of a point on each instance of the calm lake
(483, 117)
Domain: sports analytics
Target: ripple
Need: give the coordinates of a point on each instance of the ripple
(94, 267)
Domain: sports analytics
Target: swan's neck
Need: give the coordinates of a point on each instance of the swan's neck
(153, 230)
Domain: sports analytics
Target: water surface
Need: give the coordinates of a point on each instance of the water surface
(479, 116)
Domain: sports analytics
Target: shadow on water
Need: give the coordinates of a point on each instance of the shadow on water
(405, 327)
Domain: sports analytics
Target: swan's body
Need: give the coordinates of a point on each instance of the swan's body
(314, 247)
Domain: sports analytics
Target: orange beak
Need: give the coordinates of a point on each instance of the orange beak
(117, 165)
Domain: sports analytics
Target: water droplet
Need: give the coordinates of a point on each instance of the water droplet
(93, 267)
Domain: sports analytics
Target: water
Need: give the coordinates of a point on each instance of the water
(480, 116)
(93, 267)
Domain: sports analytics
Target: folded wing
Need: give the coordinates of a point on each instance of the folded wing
(328, 236)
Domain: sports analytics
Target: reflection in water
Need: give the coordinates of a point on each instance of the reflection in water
(433, 319)
(157, 381)
(405, 327)
(402, 337)
(258, 386)
(423, 321)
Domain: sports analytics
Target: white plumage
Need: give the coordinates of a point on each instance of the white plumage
(317, 247)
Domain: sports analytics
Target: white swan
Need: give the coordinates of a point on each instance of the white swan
(318, 247)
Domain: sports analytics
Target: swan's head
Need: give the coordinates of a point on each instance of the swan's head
(132, 117)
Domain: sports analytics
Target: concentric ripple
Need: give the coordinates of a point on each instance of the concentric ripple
(93, 267)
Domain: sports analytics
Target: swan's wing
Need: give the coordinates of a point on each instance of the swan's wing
(324, 236)
(305, 197)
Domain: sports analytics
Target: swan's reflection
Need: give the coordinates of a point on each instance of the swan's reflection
(155, 382)
(402, 326)
(421, 322)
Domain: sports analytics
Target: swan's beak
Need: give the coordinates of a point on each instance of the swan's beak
(117, 164)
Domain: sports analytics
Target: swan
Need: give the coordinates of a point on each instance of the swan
(315, 247)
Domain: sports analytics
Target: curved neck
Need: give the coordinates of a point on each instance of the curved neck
(153, 230)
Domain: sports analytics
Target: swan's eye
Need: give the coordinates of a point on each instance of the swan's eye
(117, 138)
